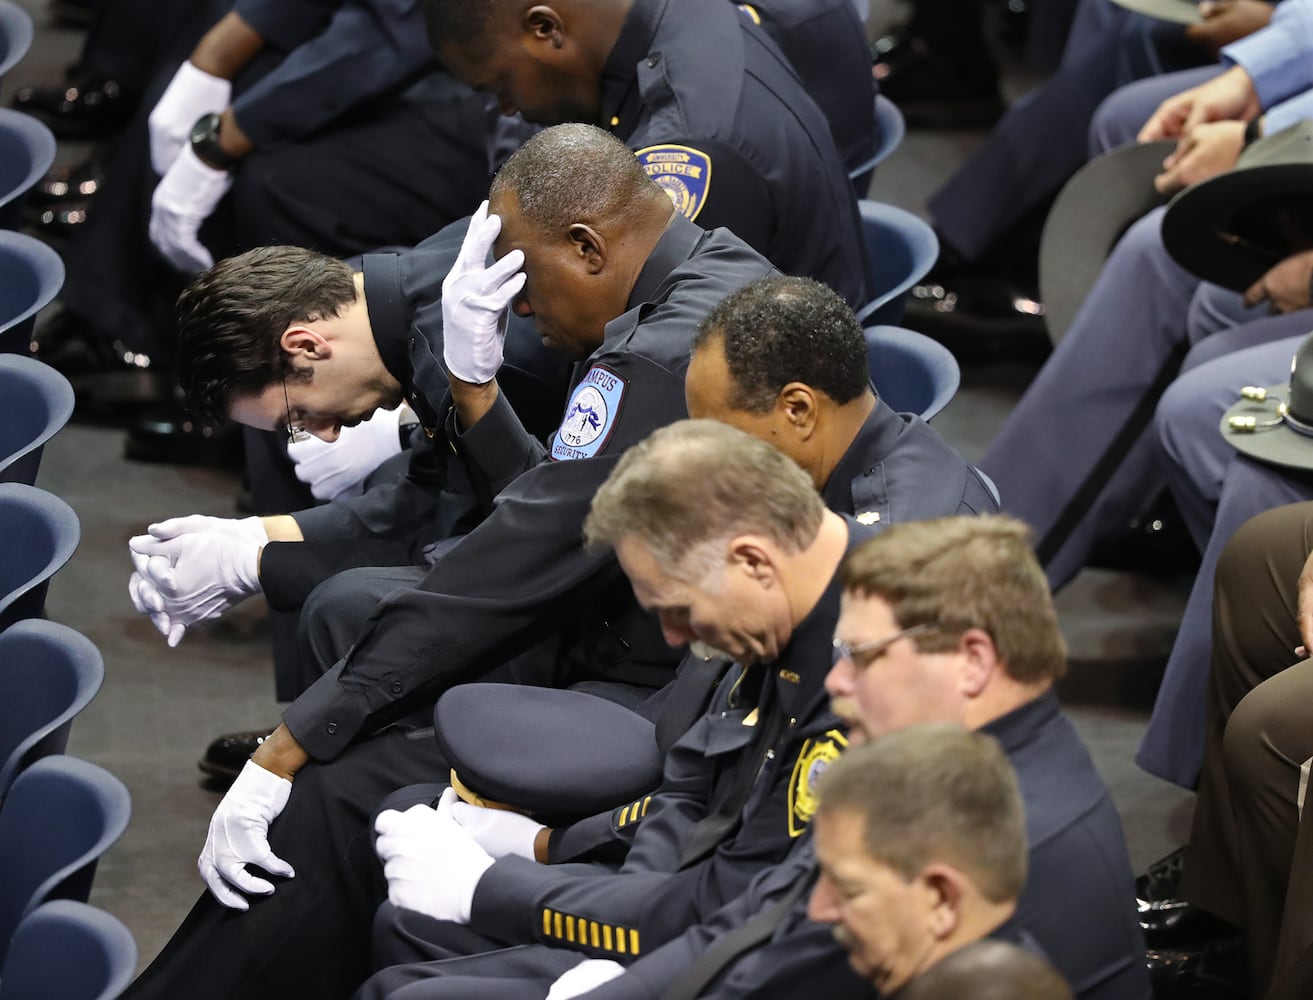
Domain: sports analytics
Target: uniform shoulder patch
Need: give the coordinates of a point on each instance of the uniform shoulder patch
(590, 416)
(814, 757)
(682, 172)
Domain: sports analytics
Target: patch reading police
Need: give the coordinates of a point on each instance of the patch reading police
(682, 172)
(814, 757)
(590, 416)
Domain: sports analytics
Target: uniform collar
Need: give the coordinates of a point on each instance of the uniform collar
(875, 439)
(1024, 724)
(620, 74)
(387, 311)
(674, 247)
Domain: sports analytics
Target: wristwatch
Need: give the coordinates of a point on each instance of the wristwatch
(205, 142)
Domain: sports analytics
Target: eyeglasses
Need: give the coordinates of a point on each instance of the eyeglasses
(870, 651)
(295, 434)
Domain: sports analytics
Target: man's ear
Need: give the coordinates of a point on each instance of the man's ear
(300, 340)
(545, 25)
(798, 404)
(750, 554)
(589, 247)
(980, 660)
(947, 887)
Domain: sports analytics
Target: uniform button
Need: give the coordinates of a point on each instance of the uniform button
(396, 687)
(653, 59)
(331, 729)
(793, 722)
(412, 341)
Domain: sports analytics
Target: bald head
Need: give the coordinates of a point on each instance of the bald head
(988, 970)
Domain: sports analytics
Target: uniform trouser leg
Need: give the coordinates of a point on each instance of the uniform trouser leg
(311, 937)
(1037, 144)
(1173, 744)
(425, 958)
(1094, 397)
(336, 611)
(392, 174)
(1123, 113)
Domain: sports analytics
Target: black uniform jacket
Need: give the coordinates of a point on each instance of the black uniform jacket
(523, 573)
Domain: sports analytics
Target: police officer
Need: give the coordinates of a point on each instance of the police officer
(623, 290)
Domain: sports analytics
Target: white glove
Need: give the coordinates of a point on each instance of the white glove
(183, 200)
(474, 302)
(431, 864)
(194, 568)
(239, 835)
(584, 978)
(191, 93)
(334, 469)
(497, 831)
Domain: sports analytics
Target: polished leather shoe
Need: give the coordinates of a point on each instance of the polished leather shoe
(1215, 971)
(1162, 879)
(109, 379)
(1157, 545)
(87, 107)
(170, 435)
(227, 755)
(1176, 923)
(64, 185)
(932, 92)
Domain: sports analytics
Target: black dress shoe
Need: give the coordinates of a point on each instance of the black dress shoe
(1216, 971)
(1176, 923)
(109, 379)
(86, 107)
(227, 755)
(168, 434)
(1156, 545)
(1162, 879)
(932, 92)
(63, 185)
(55, 223)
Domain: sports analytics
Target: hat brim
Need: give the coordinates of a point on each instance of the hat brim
(1176, 11)
(1199, 215)
(1275, 445)
(1089, 216)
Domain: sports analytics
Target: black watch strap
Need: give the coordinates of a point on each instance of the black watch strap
(205, 142)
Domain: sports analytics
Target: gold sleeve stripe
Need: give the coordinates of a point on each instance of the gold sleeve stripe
(581, 930)
(646, 802)
(606, 937)
(547, 923)
(633, 941)
(624, 816)
(556, 925)
(592, 932)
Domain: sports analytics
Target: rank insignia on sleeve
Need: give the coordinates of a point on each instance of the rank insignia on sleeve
(814, 757)
(750, 12)
(590, 416)
(682, 172)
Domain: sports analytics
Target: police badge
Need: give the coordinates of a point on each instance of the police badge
(682, 172)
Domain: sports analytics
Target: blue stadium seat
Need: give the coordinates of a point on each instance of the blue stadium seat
(15, 35)
(31, 274)
(71, 951)
(60, 816)
(40, 532)
(27, 149)
(48, 674)
(900, 249)
(911, 372)
(891, 128)
(35, 402)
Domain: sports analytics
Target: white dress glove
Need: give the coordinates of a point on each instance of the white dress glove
(191, 93)
(184, 199)
(584, 978)
(431, 864)
(497, 831)
(239, 836)
(474, 302)
(194, 568)
(334, 469)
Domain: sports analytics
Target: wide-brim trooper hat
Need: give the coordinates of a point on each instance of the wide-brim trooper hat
(1275, 424)
(1233, 228)
(1176, 11)
(1090, 215)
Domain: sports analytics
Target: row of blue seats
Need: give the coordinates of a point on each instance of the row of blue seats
(58, 814)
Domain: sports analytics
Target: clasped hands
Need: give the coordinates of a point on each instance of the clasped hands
(191, 569)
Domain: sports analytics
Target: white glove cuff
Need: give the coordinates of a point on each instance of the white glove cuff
(263, 789)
